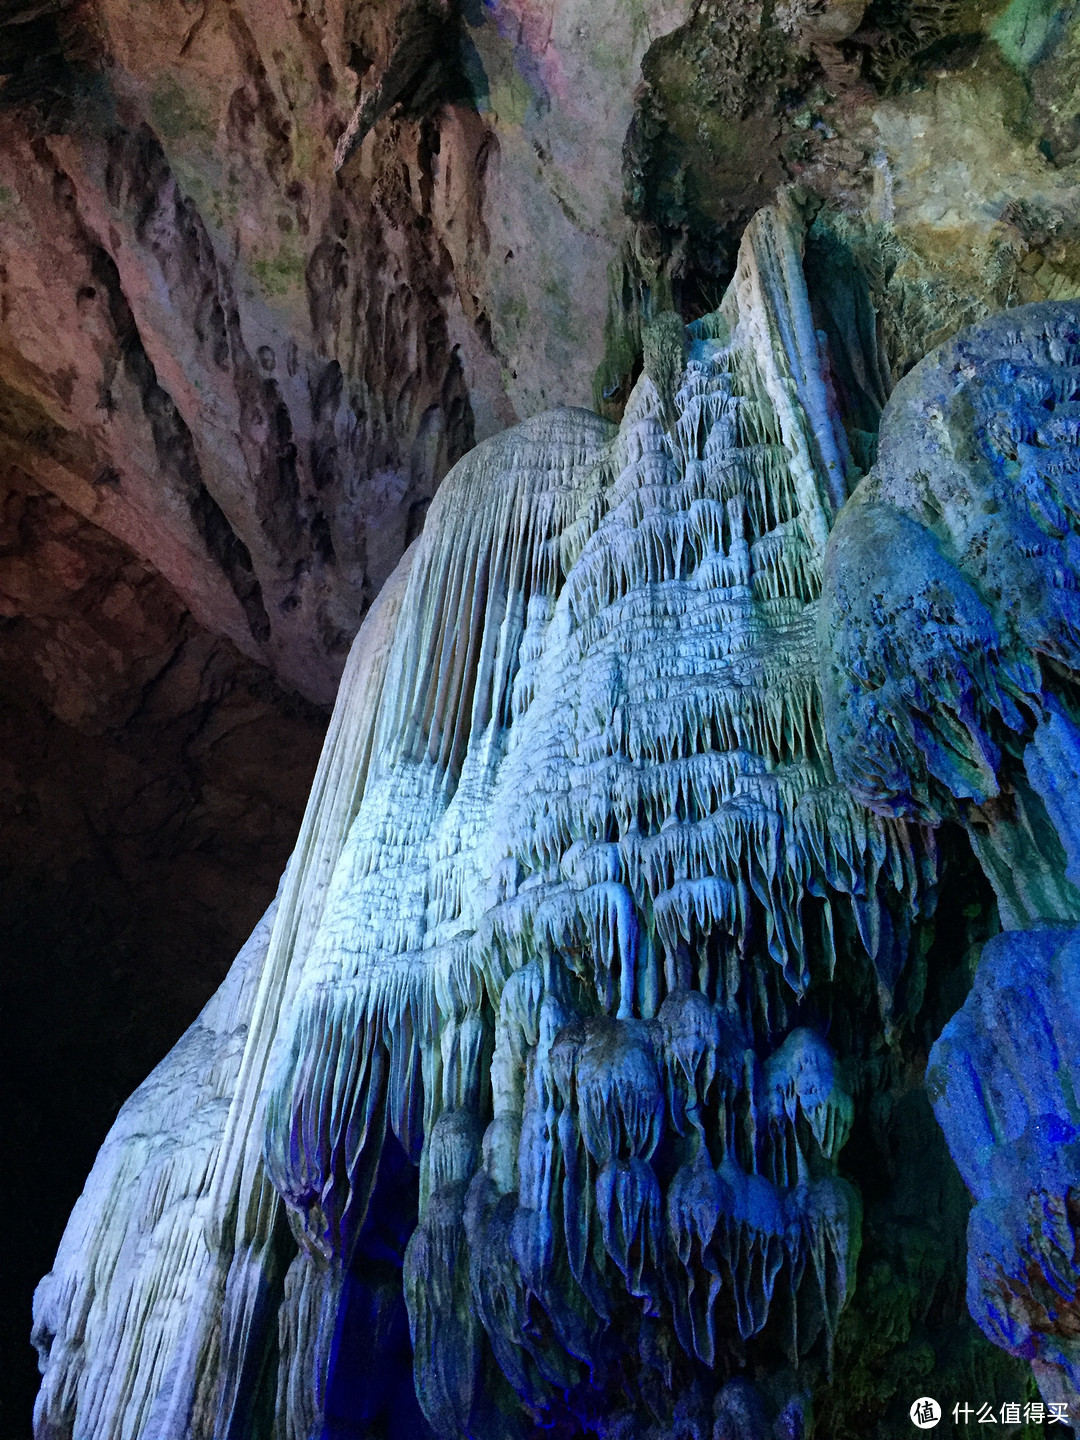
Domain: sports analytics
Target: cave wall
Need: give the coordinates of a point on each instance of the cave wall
(269, 271)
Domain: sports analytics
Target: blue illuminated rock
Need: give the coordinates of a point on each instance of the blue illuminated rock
(592, 933)
(1003, 1081)
(950, 630)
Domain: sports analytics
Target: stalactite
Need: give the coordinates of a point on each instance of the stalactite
(545, 926)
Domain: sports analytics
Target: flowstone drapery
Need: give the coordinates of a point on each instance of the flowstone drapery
(550, 979)
(950, 626)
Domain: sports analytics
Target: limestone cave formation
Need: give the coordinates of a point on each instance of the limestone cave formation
(658, 426)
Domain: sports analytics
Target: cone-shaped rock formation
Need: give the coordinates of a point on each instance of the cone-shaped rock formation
(540, 983)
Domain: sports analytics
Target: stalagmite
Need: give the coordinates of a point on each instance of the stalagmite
(575, 859)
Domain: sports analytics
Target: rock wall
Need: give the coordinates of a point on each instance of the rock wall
(268, 274)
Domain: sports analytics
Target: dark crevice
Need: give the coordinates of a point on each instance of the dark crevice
(176, 452)
(49, 65)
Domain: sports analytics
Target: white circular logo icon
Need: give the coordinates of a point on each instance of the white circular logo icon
(925, 1413)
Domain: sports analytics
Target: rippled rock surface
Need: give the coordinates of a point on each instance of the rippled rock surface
(951, 634)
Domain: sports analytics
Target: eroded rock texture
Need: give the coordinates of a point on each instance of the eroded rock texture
(950, 623)
(1002, 1078)
(267, 274)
